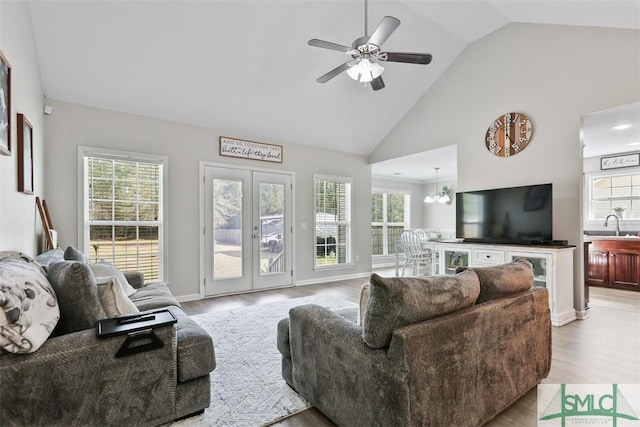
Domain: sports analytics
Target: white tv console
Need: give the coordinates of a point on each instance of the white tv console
(553, 267)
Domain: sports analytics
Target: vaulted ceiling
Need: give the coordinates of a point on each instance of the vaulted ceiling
(244, 67)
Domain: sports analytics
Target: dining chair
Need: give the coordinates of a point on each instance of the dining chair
(414, 253)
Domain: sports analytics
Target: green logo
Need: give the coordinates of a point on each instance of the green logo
(587, 408)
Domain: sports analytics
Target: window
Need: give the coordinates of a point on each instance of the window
(610, 194)
(390, 217)
(123, 205)
(332, 201)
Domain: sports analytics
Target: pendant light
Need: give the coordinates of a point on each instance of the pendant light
(438, 196)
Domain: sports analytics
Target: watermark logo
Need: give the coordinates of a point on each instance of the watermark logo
(588, 405)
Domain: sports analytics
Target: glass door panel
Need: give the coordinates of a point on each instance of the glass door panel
(452, 259)
(247, 232)
(272, 230)
(227, 228)
(541, 266)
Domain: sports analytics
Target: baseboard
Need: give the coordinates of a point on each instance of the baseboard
(332, 279)
(191, 297)
(196, 297)
(582, 314)
(563, 318)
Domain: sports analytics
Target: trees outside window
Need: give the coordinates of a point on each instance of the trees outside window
(123, 210)
(332, 201)
(389, 218)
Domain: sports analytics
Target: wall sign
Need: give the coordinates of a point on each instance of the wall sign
(625, 161)
(231, 147)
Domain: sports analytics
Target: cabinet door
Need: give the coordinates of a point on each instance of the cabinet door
(598, 273)
(541, 267)
(623, 269)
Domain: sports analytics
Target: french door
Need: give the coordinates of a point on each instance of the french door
(247, 230)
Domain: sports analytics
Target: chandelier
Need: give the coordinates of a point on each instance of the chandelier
(438, 196)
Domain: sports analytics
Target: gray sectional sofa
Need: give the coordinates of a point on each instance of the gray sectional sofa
(440, 351)
(74, 378)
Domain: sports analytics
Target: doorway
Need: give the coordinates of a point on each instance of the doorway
(247, 217)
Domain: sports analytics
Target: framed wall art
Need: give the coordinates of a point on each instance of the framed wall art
(623, 161)
(5, 106)
(25, 155)
(232, 147)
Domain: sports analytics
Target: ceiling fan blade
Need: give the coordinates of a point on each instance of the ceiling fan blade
(385, 28)
(331, 74)
(412, 58)
(329, 45)
(377, 83)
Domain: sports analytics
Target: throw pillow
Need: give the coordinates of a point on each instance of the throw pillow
(72, 254)
(49, 257)
(28, 306)
(503, 280)
(77, 292)
(397, 301)
(364, 298)
(113, 299)
(105, 269)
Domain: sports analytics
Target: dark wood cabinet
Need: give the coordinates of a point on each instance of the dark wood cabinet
(615, 264)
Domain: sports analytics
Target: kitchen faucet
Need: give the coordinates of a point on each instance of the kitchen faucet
(617, 223)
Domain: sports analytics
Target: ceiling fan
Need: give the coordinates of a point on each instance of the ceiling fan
(365, 54)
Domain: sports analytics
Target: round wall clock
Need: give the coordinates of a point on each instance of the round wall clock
(509, 134)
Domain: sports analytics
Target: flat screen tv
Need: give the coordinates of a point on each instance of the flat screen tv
(517, 215)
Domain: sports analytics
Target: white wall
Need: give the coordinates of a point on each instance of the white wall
(20, 226)
(71, 125)
(440, 218)
(554, 74)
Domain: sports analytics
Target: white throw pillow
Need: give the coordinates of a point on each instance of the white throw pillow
(113, 299)
(364, 298)
(104, 269)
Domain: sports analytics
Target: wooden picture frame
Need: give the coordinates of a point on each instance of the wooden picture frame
(5, 106)
(25, 155)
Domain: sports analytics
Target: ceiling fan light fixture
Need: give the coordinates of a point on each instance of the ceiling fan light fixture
(365, 71)
(354, 72)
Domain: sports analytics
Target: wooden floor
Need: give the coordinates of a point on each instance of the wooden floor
(603, 349)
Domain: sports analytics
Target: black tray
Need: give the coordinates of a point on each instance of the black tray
(137, 322)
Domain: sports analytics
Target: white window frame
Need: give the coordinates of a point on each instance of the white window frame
(591, 223)
(349, 207)
(389, 247)
(83, 206)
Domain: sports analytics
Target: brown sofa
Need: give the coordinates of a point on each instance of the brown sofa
(460, 368)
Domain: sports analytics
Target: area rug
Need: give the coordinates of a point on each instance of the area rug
(247, 389)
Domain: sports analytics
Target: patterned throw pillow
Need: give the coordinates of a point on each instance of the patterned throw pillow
(77, 292)
(503, 280)
(398, 301)
(28, 307)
